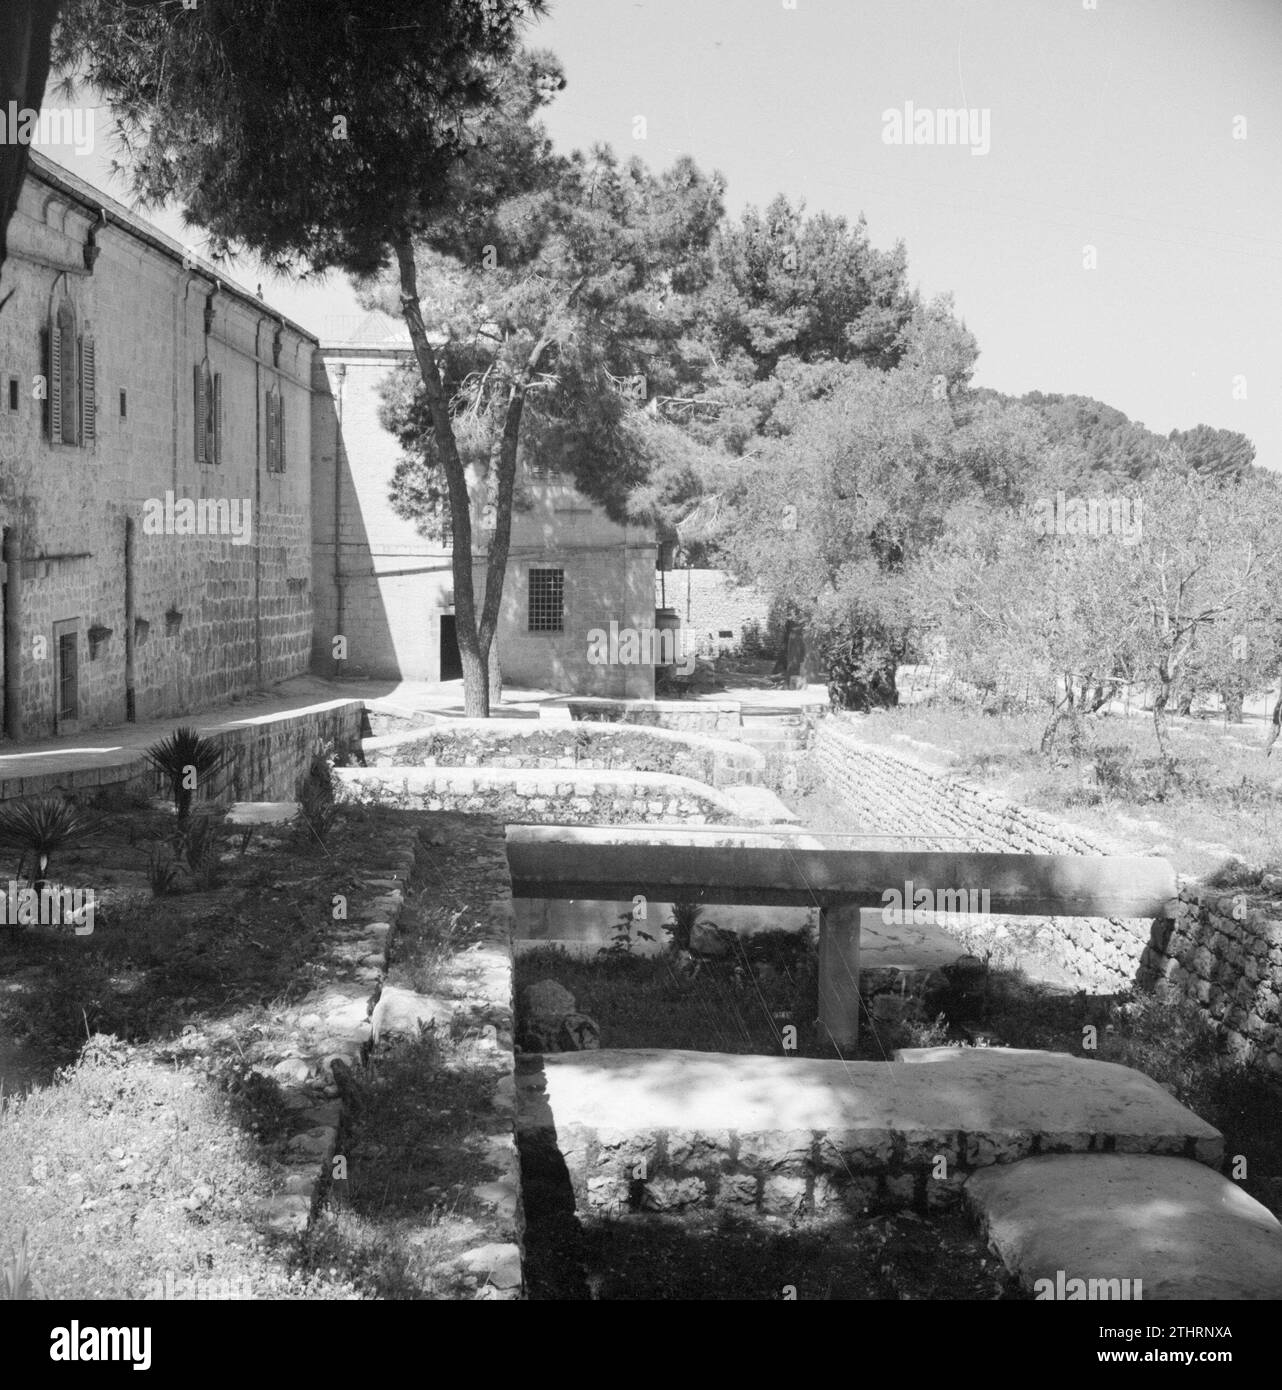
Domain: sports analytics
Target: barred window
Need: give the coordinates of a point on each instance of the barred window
(547, 601)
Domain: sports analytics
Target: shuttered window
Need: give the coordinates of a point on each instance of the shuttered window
(69, 366)
(207, 409)
(218, 418)
(275, 413)
(199, 409)
(88, 392)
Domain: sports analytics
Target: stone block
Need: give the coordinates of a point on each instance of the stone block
(783, 1194)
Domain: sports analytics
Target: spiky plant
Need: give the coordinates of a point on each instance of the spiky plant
(187, 760)
(680, 926)
(42, 826)
(16, 1279)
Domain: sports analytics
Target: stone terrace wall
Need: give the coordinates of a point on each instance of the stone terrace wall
(592, 747)
(1224, 950)
(899, 794)
(561, 796)
(896, 793)
(704, 717)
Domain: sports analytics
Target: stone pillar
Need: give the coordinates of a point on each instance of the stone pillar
(839, 976)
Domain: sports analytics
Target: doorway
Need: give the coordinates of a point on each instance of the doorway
(451, 664)
(67, 692)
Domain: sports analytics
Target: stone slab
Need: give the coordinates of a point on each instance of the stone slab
(759, 806)
(261, 812)
(998, 1097)
(1181, 1228)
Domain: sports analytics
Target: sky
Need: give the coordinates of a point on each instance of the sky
(1149, 131)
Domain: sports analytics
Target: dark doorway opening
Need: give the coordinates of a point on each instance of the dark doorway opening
(451, 662)
(68, 679)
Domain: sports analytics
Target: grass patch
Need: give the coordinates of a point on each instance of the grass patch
(405, 1209)
(1225, 797)
(126, 1173)
(647, 1001)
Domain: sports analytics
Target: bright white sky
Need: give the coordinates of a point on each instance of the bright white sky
(1112, 127)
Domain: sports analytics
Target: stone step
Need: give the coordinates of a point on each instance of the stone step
(672, 1129)
(1181, 1229)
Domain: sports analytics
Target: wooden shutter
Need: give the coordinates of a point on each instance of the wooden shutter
(198, 400)
(218, 417)
(88, 393)
(271, 431)
(55, 381)
(46, 420)
(280, 432)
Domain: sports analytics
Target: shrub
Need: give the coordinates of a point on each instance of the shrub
(680, 926)
(315, 795)
(200, 849)
(187, 760)
(162, 869)
(40, 827)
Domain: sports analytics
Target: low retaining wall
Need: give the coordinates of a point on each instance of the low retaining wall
(589, 798)
(648, 1130)
(270, 753)
(897, 793)
(688, 716)
(1223, 949)
(593, 747)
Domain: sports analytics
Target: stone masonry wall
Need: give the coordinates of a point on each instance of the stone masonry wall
(710, 603)
(213, 615)
(562, 796)
(593, 747)
(1223, 949)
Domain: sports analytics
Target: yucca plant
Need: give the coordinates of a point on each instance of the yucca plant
(42, 826)
(16, 1278)
(200, 848)
(680, 926)
(187, 760)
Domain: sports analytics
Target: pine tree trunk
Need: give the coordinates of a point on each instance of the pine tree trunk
(476, 694)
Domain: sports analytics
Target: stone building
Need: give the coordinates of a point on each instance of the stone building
(155, 479)
(386, 589)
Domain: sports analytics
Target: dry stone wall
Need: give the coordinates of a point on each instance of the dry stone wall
(593, 747)
(562, 796)
(1223, 949)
